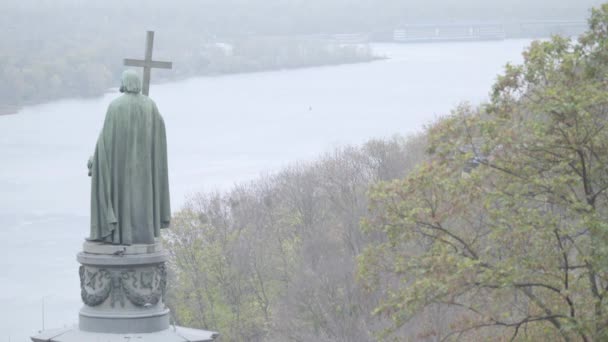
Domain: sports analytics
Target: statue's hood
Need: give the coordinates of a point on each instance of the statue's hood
(130, 82)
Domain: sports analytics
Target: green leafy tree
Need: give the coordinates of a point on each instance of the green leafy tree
(275, 259)
(506, 226)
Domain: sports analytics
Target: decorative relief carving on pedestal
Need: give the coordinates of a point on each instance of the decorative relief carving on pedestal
(94, 286)
(142, 287)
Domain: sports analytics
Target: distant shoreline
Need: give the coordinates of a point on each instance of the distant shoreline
(262, 70)
(9, 110)
(6, 110)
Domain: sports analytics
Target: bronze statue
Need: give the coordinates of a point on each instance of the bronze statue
(130, 181)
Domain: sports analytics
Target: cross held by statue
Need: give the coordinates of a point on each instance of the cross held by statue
(148, 63)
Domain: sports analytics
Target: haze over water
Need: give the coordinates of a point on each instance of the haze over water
(221, 131)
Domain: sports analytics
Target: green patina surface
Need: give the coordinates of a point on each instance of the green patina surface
(129, 185)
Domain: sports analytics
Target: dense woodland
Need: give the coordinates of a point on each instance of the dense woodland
(489, 225)
(71, 48)
(275, 260)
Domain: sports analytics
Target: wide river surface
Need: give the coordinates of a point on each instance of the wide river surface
(221, 131)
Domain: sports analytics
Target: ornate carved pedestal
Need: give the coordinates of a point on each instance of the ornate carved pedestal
(123, 290)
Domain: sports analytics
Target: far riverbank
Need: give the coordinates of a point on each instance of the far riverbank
(9, 110)
(34, 81)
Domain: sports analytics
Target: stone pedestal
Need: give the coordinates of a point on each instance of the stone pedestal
(123, 290)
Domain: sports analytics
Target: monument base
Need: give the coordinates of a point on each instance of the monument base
(123, 290)
(173, 334)
(139, 322)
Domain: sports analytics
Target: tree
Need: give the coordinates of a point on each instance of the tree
(506, 226)
(275, 260)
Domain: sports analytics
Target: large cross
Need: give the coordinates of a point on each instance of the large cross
(148, 63)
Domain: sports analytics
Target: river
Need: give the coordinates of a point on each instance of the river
(221, 131)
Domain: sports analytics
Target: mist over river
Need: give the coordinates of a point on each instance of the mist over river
(221, 131)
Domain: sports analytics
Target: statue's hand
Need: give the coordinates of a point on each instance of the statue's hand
(90, 166)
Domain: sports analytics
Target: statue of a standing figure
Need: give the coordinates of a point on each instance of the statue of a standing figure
(130, 183)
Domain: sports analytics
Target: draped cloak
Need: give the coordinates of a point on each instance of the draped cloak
(130, 183)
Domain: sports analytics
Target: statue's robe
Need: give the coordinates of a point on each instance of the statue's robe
(130, 183)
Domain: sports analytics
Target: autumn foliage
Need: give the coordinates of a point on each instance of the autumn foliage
(505, 227)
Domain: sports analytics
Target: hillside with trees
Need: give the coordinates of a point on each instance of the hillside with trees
(51, 50)
(506, 223)
(275, 260)
(490, 225)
